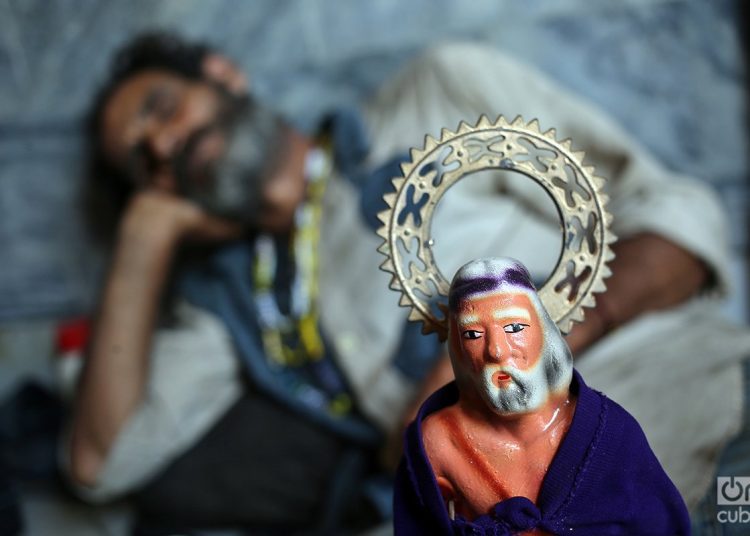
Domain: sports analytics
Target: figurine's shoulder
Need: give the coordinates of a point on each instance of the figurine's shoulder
(615, 439)
(616, 472)
(619, 425)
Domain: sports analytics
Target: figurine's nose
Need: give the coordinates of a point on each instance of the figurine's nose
(497, 346)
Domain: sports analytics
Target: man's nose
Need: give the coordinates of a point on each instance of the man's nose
(162, 141)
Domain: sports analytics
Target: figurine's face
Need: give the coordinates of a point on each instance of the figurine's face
(497, 343)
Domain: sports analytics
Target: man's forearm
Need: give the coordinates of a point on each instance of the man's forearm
(649, 273)
(116, 366)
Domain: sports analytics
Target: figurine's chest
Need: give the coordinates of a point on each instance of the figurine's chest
(501, 470)
(480, 465)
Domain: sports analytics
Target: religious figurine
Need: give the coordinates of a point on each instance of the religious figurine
(518, 443)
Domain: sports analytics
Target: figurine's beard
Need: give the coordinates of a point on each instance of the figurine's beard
(526, 391)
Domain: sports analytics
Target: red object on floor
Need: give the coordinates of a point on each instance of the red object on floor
(72, 335)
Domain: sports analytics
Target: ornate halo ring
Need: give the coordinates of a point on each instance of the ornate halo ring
(523, 148)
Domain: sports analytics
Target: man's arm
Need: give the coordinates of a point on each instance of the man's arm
(649, 273)
(115, 374)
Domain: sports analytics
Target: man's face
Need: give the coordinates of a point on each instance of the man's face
(151, 117)
(191, 138)
(497, 342)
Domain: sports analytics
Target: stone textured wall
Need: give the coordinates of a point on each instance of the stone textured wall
(670, 71)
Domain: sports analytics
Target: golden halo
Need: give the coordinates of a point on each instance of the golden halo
(520, 147)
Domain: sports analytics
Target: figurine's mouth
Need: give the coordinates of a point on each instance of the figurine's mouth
(501, 379)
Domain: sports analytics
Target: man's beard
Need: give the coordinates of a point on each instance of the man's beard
(232, 186)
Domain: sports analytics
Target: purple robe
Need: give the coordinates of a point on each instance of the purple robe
(604, 479)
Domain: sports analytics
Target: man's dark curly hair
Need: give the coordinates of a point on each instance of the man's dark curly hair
(107, 189)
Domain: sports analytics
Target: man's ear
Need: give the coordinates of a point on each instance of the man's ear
(221, 70)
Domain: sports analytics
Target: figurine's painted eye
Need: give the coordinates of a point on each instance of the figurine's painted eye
(472, 334)
(515, 327)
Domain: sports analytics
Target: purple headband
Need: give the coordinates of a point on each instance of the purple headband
(464, 286)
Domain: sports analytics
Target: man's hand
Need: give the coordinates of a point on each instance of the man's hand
(154, 215)
(220, 69)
